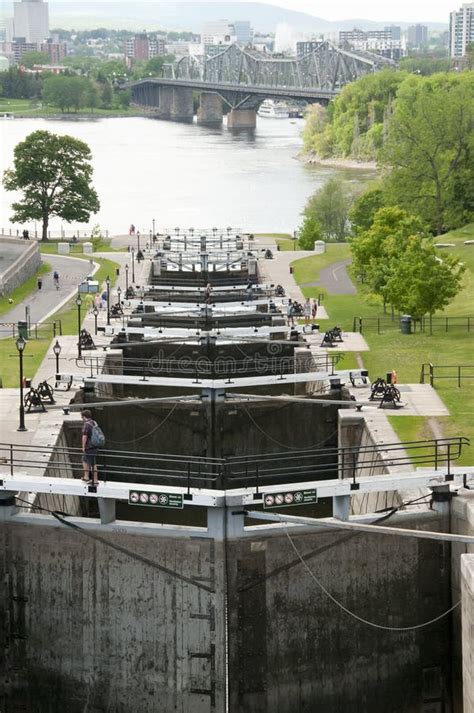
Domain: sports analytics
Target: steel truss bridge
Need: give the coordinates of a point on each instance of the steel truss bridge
(243, 78)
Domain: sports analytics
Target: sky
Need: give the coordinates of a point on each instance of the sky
(378, 10)
(401, 10)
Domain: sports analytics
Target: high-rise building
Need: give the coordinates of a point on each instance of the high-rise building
(56, 51)
(461, 29)
(31, 20)
(395, 30)
(243, 32)
(143, 47)
(417, 35)
(379, 42)
(217, 33)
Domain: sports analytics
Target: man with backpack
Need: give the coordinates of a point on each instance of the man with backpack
(92, 439)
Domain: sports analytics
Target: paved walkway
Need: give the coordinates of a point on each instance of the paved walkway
(46, 301)
(335, 279)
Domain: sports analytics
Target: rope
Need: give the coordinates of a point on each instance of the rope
(155, 428)
(283, 445)
(352, 614)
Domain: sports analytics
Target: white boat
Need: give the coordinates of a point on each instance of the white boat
(273, 109)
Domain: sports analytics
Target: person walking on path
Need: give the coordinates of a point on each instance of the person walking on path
(98, 301)
(290, 313)
(92, 436)
(307, 312)
(40, 283)
(131, 230)
(56, 279)
(314, 309)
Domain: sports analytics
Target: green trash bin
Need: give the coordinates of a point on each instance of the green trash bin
(405, 324)
(23, 329)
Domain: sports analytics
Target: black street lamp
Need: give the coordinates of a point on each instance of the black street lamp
(119, 294)
(153, 226)
(78, 303)
(95, 312)
(57, 352)
(133, 266)
(126, 280)
(20, 345)
(138, 240)
(107, 282)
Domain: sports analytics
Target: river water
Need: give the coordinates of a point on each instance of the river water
(186, 175)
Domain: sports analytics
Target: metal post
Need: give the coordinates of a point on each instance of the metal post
(133, 265)
(126, 280)
(78, 303)
(138, 240)
(107, 282)
(153, 224)
(22, 426)
(95, 312)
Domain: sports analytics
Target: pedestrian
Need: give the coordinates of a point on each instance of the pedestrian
(97, 301)
(131, 230)
(248, 292)
(307, 311)
(314, 309)
(56, 279)
(39, 283)
(207, 293)
(104, 299)
(290, 313)
(92, 440)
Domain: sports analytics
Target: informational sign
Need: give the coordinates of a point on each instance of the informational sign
(157, 500)
(289, 498)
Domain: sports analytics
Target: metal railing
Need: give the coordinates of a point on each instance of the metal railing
(424, 325)
(252, 471)
(36, 330)
(204, 366)
(453, 372)
(80, 234)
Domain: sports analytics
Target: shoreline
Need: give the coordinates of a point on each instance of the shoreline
(335, 162)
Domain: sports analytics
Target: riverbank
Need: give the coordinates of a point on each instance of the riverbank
(336, 162)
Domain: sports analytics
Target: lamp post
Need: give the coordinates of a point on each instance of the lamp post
(107, 282)
(126, 280)
(119, 294)
(95, 312)
(153, 226)
(133, 265)
(57, 352)
(20, 345)
(78, 303)
(138, 240)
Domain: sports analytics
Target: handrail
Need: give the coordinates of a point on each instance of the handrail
(423, 324)
(432, 371)
(239, 471)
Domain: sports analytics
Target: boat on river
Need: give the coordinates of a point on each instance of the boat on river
(273, 110)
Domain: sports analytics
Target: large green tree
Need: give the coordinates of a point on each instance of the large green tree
(329, 208)
(430, 149)
(54, 174)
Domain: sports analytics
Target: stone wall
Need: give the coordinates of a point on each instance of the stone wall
(23, 268)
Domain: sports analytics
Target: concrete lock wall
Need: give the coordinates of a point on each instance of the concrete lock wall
(292, 649)
(22, 268)
(86, 628)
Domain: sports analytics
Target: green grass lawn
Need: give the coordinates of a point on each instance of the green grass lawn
(36, 349)
(27, 107)
(102, 245)
(24, 290)
(406, 353)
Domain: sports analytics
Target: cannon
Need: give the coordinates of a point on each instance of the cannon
(85, 340)
(46, 392)
(33, 401)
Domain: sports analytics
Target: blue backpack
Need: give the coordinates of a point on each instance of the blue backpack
(97, 438)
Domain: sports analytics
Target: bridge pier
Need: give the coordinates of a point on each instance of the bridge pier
(242, 119)
(210, 109)
(182, 108)
(165, 102)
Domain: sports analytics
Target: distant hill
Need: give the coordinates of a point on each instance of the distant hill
(70, 14)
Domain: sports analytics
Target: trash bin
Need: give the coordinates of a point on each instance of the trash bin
(389, 377)
(291, 270)
(23, 329)
(117, 271)
(405, 324)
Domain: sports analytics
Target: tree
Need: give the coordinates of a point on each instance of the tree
(309, 232)
(55, 175)
(34, 57)
(422, 282)
(430, 146)
(329, 208)
(365, 207)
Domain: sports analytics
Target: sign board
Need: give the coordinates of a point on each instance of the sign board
(288, 498)
(157, 500)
